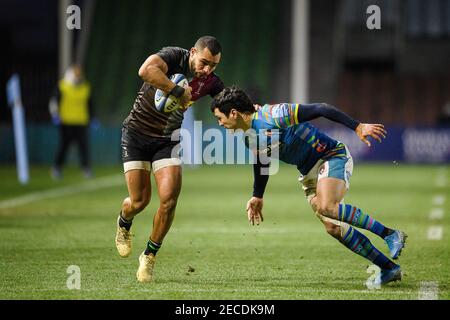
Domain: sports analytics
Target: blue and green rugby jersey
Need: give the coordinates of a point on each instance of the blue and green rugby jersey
(300, 143)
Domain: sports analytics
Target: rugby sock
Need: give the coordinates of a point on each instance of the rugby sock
(124, 223)
(360, 244)
(152, 247)
(354, 216)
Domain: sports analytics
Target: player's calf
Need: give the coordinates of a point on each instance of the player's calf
(168, 206)
(356, 217)
(332, 229)
(361, 245)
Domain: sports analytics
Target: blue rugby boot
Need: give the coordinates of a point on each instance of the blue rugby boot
(396, 242)
(386, 276)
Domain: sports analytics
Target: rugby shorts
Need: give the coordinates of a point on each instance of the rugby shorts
(147, 153)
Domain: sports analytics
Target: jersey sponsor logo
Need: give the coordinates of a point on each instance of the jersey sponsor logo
(270, 148)
(267, 151)
(263, 146)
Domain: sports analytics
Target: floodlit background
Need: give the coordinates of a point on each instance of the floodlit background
(279, 51)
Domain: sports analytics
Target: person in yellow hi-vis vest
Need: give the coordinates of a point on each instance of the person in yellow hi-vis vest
(71, 110)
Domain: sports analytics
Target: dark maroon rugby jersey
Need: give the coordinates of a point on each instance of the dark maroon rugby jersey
(146, 119)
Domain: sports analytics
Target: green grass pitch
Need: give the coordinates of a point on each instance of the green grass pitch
(212, 252)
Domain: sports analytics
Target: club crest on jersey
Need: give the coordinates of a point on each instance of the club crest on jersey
(200, 85)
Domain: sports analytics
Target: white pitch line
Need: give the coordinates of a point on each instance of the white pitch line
(436, 214)
(441, 182)
(435, 233)
(441, 179)
(438, 200)
(429, 290)
(95, 184)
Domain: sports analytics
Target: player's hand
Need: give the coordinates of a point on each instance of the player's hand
(376, 131)
(186, 97)
(254, 210)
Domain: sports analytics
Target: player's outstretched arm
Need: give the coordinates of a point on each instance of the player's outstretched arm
(312, 111)
(254, 210)
(255, 204)
(376, 131)
(363, 130)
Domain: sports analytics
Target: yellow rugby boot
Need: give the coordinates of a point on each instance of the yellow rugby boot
(123, 241)
(146, 264)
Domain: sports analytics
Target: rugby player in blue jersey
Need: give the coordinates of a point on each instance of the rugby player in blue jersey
(325, 165)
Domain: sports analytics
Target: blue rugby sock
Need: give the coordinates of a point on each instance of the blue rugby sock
(354, 216)
(360, 244)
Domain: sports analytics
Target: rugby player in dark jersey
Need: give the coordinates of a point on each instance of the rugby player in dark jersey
(146, 140)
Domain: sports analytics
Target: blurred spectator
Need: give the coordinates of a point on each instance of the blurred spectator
(71, 110)
(444, 117)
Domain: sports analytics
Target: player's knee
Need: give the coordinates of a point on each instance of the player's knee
(168, 205)
(327, 209)
(138, 204)
(333, 229)
(313, 203)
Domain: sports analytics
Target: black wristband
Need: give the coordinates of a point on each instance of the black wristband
(177, 91)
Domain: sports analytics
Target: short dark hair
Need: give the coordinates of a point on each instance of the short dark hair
(209, 42)
(232, 98)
